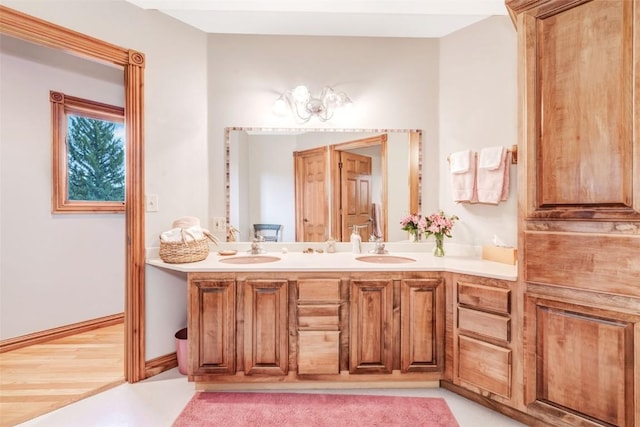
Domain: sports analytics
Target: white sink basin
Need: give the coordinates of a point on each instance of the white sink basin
(250, 259)
(385, 259)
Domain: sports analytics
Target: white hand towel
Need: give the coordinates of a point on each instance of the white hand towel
(491, 158)
(173, 235)
(460, 161)
(178, 234)
(463, 185)
(493, 184)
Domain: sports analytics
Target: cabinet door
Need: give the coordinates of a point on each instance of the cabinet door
(580, 360)
(371, 326)
(265, 327)
(580, 110)
(212, 330)
(422, 330)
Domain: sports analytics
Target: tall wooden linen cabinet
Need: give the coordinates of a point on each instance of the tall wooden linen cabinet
(579, 209)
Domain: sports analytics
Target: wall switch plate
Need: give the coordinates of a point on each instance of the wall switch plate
(151, 202)
(219, 224)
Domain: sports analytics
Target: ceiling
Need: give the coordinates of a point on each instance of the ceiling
(358, 18)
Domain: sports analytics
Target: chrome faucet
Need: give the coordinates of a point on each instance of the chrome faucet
(255, 246)
(379, 248)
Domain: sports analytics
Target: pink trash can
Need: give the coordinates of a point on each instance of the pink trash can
(182, 348)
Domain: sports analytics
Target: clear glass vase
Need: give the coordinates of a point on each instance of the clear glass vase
(414, 236)
(438, 250)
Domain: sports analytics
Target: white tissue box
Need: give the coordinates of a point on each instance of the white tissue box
(500, 254)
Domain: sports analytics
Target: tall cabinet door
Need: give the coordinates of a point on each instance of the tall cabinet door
(212, 330)
(422, 329)
(579, 216)
(266, 327)
(371, 326)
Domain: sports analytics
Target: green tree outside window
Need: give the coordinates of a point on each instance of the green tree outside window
(96, 169)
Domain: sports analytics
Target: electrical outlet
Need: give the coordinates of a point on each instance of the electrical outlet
(219, 224)
(151, 201)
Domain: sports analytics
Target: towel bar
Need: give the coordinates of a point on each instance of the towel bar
(514, 154)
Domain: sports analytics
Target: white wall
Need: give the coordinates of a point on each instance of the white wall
(478, 109)
(75, 260)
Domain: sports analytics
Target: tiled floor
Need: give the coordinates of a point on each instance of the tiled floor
(157, 402)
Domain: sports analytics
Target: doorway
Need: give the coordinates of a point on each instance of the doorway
(364, 192)
(355, 195)
(31, 29)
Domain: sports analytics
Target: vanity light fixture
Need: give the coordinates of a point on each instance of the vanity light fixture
(303, 106)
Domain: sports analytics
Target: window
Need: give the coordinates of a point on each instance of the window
(88, 155)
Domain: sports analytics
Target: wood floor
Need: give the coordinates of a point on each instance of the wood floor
(37, 379)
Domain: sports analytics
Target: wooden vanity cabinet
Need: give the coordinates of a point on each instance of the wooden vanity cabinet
(324, 326)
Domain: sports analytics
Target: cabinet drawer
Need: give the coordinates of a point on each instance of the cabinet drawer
(484, 365)
(314, 317)
(485, 324)
(319, 290)
(484, 297)
(318, 352)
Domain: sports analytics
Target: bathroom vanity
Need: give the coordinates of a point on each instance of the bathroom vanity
(307, 319)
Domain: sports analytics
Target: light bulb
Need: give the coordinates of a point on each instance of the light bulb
(301, 94)
(279, 107)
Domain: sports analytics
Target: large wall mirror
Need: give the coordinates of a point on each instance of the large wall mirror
(319, 183)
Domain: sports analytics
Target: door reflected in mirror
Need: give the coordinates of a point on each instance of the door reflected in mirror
(318, 183)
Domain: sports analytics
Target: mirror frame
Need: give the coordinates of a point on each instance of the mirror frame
(415, 157)
(31, 29)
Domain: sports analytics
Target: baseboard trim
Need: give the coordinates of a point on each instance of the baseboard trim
(160, 364)
(60, 332)
(495, 406)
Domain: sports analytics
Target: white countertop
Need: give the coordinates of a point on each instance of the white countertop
(346, 261)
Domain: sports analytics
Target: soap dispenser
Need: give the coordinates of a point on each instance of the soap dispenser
(356, 240)
(331, 245)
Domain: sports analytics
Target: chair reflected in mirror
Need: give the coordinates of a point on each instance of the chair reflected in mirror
(267, 232)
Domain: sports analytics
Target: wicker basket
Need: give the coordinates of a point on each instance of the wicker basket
(187, 250)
